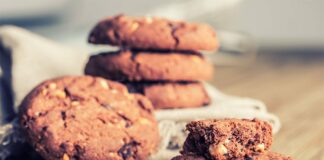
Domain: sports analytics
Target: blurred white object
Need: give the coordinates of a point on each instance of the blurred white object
(284, 24)
(235, 49)
(190, 9)
(17, 9)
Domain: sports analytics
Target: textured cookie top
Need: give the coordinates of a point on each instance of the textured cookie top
(228, 138)
(150, 66)
(88, 118)
(153, 33)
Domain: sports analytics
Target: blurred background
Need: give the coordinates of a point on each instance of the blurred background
(275, 23)
(287, 74)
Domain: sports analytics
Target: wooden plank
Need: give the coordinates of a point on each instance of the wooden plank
(293, 90)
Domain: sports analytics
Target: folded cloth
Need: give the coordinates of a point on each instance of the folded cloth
(27, 59)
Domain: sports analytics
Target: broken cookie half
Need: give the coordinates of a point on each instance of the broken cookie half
(228, 138)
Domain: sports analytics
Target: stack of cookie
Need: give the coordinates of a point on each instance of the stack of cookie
(229, 139)
(158, 58)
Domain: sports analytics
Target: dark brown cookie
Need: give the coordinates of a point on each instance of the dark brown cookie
(84, 117)
(149, 66)
(228, 138)
(153, 34)
(172, 95)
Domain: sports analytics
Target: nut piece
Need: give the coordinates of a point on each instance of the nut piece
(217, 149)
(144, 121)
(129, 96)
(52, 86)
(196, 59)
(60, 94)
(37, 114)
(134, 26)
(113, 91)
(44, 92)
(65, 157)
(75, 103)
(260, 147)
(148, 20)
(104, 84)
(222, 149)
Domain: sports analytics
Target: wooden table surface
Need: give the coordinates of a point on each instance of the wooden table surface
(293, 89)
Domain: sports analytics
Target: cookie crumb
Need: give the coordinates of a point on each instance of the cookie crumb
(104, 84)
(260, 147)
(60, 94)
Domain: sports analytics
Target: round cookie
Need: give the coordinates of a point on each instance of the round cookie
(149, 66)
(83, 117)
(153, 33)
(172, 95)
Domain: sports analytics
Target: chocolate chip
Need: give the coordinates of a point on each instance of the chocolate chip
(128, 150)
(63, 146)
(106, 105)
(63, 114)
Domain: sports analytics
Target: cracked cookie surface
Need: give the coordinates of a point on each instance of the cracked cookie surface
(150, 66)
(83, 117)
(228, 138)
(153, 33)
(169, 95)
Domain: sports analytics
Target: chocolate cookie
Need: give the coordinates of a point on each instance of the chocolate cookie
(84, 117)
(172, 95)
(153, 34)
(228, 138)
(149, 66)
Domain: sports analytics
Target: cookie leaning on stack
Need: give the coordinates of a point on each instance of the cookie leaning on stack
(158, 58)
(84, 117)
